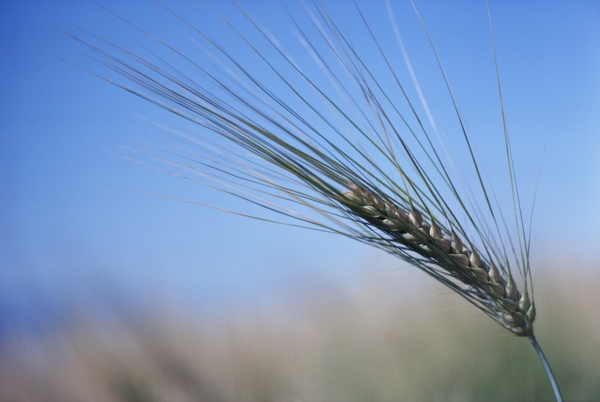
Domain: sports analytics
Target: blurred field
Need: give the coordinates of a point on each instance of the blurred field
(382, 341)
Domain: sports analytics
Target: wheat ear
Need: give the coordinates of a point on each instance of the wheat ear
(347, 152)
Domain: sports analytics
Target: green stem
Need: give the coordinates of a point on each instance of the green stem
(547, 367)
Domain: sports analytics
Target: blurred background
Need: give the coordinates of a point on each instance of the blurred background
(113, 294)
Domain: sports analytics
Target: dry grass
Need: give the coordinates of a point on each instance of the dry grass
(342, 344)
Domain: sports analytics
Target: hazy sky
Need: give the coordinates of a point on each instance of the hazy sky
(68, 230)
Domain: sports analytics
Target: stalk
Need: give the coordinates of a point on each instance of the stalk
(551, 377)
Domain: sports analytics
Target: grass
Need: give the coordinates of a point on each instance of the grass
(348, 146)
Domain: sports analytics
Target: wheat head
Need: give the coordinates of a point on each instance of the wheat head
(368, 168)
(343, 178)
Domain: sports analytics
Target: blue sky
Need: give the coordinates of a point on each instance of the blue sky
(68, 229)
